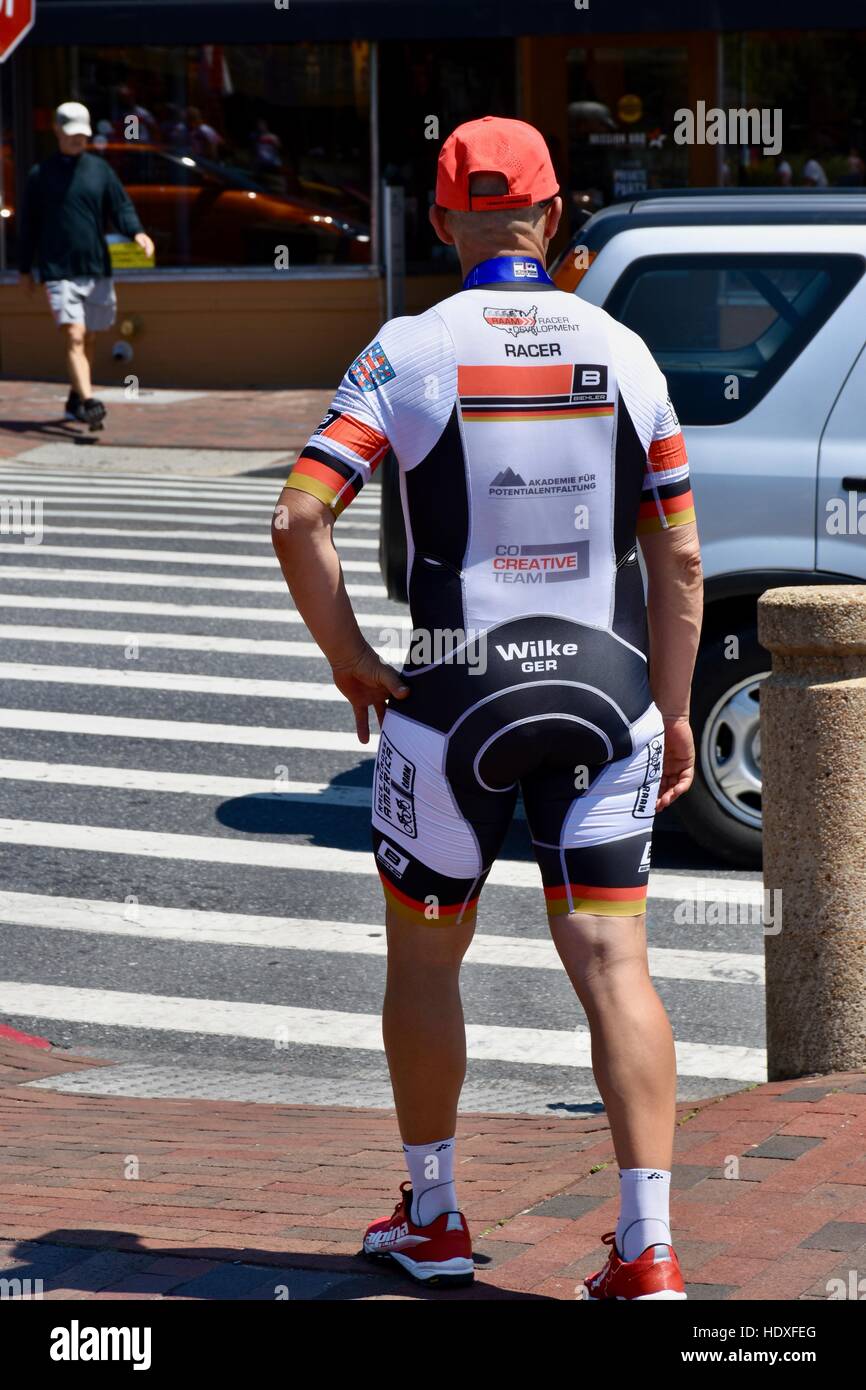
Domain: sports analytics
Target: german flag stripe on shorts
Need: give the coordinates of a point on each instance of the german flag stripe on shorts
(603, 902)
(426, 914)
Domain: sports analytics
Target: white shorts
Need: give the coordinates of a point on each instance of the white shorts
(90, 301)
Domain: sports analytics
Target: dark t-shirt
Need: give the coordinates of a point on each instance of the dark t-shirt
(68, 202)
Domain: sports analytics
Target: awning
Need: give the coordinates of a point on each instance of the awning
(259, 21)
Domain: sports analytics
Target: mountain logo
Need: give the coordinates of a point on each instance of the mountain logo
(507, 478)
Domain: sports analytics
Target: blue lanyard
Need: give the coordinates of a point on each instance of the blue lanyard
(522, 270)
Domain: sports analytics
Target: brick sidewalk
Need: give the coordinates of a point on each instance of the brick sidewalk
(31, 414)
(234, 1200)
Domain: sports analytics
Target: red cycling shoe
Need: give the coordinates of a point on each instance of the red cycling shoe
(438, 1254)
(654, 1274)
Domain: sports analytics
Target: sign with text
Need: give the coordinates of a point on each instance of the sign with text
(16, 20)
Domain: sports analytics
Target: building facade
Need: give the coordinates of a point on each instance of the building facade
(254, 137)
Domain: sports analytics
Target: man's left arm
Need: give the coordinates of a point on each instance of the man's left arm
(123, 214)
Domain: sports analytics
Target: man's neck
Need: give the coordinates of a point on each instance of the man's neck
(469, 260)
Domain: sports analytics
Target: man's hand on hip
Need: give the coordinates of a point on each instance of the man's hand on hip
(678, 770)
(368, 681)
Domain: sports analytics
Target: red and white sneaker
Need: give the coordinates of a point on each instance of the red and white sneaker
(654, 1274)
(440, 1253)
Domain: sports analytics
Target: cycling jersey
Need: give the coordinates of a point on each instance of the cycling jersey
(535, 440)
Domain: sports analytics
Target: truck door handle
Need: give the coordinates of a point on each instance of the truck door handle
(854, 484)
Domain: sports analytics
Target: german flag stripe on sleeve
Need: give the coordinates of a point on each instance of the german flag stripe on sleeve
(667, 511)
(668, 453)
(324, 481)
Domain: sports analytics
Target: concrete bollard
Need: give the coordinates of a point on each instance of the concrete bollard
(813, 760)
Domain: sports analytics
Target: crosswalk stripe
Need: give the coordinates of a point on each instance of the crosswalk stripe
(209, 849)
(146, 502)
(184, 731)
(172, 557)
(390, 621)
(281, 1024)
(129, 579)
(151, 497)
(139, 920)
(173, 641)
(239, 537)
(185, 783)
(345, 524)
(131, 679)
(51, 473)
(159, 485)
(121, 487)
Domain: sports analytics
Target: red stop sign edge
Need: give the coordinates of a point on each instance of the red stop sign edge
(6, 52)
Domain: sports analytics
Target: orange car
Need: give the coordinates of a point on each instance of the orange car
(201, 213)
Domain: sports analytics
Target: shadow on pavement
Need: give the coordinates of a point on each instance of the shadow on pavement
(113, 1263)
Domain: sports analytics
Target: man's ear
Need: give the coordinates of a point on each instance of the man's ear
(439, 223)
(551, 221)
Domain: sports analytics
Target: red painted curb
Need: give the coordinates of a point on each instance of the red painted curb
(14, 1036)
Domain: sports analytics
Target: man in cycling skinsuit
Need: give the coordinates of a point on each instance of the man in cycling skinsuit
(536, 443)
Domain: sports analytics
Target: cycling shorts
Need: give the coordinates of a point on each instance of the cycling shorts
(454, 754)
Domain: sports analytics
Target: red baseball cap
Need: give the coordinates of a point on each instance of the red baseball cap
(494, 145)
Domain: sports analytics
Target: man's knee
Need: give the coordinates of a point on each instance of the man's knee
(596, 943)
(75, 336)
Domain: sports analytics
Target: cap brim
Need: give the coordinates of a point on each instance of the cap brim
(76, 128)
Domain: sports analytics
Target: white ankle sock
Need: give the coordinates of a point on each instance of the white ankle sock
(431, 1173)
(644, 1210)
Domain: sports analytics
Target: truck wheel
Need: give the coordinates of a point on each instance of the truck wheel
(722, 810)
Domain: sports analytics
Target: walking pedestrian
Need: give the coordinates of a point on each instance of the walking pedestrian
(68, 201)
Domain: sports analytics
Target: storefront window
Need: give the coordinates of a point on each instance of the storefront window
(233, 156)
(621, 105)
(7, 178)
(815, 80)
(427, 88)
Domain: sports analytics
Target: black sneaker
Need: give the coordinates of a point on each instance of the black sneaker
(73, 401)
(90, 412)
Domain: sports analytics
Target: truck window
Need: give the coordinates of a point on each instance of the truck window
(724, 328)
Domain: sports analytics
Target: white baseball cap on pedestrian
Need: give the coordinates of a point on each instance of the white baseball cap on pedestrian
(73, 118)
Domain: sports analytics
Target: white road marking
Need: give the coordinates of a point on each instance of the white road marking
(131, 579)
(172, 557)
(186, 731)
(173, 641)
(160, 485)
(280, 1024)
(185, 783)
(140, 921)
(216, 849)
(390, 621)
(237, 538)
(132, 679)
(345, 523)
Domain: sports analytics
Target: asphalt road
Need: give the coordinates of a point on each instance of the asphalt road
(187, 884)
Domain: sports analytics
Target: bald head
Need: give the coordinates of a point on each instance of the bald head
(479, 236)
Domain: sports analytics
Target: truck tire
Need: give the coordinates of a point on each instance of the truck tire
(722, 809)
